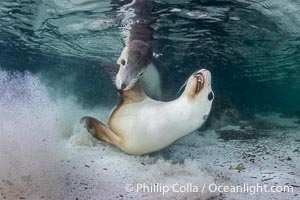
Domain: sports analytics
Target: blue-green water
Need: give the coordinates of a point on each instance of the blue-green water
(252, 48)
(51, 74)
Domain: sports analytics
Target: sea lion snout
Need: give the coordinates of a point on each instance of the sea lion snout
(205, 73)
(203, 79)
(123, 86)
(199, 84)
(126, 78)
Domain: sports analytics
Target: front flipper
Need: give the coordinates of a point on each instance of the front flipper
(100, 131)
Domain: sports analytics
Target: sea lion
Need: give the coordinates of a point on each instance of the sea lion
(136, 64)
(136, 61)
(141, 125)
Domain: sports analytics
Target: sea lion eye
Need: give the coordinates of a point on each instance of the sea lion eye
(210, 96)
(141, 73)
(123, 62)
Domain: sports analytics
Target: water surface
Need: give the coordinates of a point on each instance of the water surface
(251, 47)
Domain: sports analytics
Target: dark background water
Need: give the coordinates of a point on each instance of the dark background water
(252, 47)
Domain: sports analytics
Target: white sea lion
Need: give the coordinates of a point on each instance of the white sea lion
(141, 125)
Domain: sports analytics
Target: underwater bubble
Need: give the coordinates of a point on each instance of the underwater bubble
(175, 10)
(196, 14)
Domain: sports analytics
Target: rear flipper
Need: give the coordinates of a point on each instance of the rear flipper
(99, 130)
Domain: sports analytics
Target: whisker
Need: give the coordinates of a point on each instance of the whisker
(181, 88)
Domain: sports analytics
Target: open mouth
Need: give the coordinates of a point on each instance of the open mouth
(200, 81)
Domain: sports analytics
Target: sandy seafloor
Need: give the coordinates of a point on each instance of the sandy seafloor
(45, 154)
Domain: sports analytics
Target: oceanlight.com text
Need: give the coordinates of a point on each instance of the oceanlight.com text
(213, 188)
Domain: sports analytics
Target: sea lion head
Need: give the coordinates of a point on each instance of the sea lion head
(199, 86)
(135, 57)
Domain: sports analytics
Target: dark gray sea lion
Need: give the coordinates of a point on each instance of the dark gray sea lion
(136, 64)
(136, 60)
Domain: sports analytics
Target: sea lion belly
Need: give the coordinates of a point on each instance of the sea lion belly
(151, 125)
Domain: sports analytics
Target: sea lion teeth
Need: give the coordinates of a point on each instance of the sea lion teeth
(200, 82)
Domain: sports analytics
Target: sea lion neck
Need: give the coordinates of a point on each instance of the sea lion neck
(135, 94)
